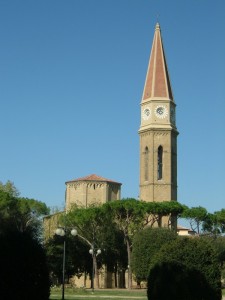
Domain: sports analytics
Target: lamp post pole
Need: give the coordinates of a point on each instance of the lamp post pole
(93, 272)
(63, 270)
(62, 232)
(94, 262)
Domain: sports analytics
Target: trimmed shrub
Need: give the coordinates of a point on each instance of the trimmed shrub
(196, 254)
(23, 273)
(175, 281)
(146, 243)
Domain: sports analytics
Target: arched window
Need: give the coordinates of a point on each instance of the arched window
(160, 162)
(146, 155)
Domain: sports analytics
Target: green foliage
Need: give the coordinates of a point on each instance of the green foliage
(128, 215)
(140, 213)
(194, 253)
(220, 216)
(164, 208)
(96, 226)
(131, 216)
(175, 281)
(54, 252)
(146, 243)
(90, 223)
(9, 188)
(23, 273)
(21, 214)
(113, 223)
(196, 216)
(114, 253)
(29, 215)
(78, 260)
(156, 210)
(215, 223)
(219, 245)
(8, 208)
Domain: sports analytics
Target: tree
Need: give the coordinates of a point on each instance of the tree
(98, 230)
(219, 245)
(215, 223)
(114, 255)
(9, 188)
(131, 216)
(195, 253)
(107, 226)
(23, 273)
(220, 215)
(155, 211)
(145, 244)
(8, 208)
(77, 258)
(175, 281)
(29, 215)
(90, 223)
(21, 214)
(196, 216)
(128, 215)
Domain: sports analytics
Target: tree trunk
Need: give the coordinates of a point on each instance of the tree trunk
(115, 276)
(129, 266)
(85, 278)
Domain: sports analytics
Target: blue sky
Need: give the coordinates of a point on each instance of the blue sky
(72, 74)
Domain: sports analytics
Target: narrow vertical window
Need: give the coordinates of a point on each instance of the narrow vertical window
(160, 162)
(146, 155)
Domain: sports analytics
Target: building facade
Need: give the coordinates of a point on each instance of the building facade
(89, 190)
(158, 132)
(158, 154)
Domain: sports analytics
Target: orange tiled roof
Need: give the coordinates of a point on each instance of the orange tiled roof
(93, 177)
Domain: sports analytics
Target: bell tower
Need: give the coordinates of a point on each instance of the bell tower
(158, 132)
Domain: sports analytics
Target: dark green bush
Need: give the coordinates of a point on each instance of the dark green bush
(194, 253)
(146, 243)
(175, 281)
(23, 272)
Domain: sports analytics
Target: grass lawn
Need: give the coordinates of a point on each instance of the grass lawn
(99, 294)
(87, 294)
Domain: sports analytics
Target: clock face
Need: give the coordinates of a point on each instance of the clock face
(161, 111)
(146, 113)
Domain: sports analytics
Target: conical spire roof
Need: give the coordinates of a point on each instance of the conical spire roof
(157, 83)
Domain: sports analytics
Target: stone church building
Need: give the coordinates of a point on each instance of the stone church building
(92, 189)
(158, 143)
(158, 132)
(158, 147)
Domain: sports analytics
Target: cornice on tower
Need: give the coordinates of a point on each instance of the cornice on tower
(157, 83)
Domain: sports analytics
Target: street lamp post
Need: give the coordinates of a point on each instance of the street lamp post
(94, 255)
(63, 269)
(62, 232)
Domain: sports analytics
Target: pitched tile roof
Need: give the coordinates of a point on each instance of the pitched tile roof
(94, 177)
